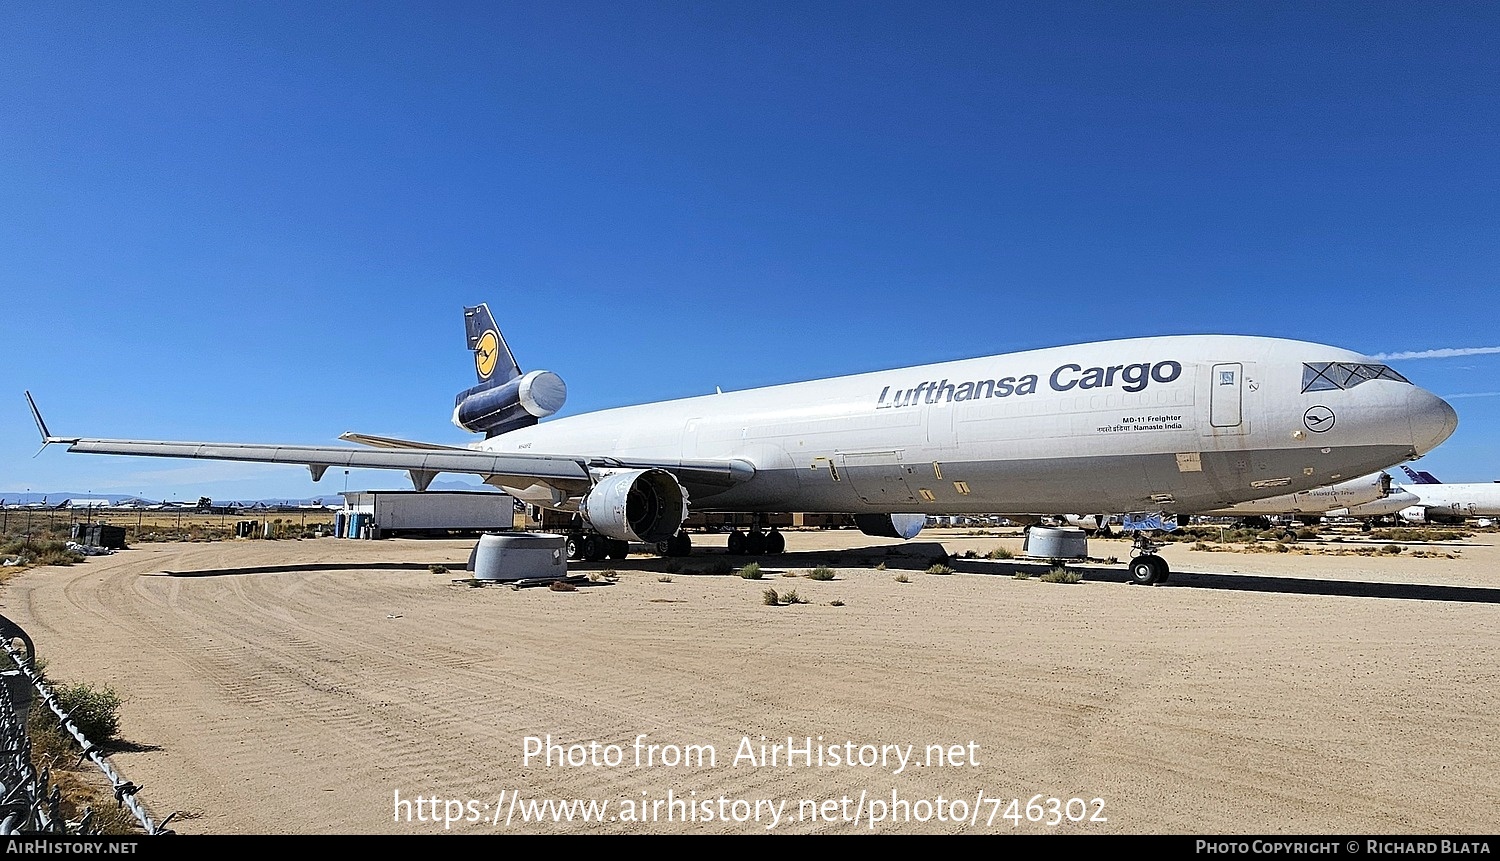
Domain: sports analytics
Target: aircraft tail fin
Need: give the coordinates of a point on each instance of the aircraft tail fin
(1420, 476)
(505, 399)
(493, 362)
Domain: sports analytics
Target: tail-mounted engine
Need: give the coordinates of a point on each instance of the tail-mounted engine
(513, 404)
(635, 505)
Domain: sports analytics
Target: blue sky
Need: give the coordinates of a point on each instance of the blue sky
(260, 222)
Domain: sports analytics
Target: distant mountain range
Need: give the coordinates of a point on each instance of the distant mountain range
(55, 498)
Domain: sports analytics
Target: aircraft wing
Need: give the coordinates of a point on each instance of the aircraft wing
(569, 474)
(421, 464)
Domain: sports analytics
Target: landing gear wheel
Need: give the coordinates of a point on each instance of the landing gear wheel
(736, 543)
(755, 543)
(1162, 571)
(775, 542)
(595, 548)
(618, 549)
(1148, 570)
(681, 544)
(575, 547)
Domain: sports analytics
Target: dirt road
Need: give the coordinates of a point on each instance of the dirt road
(333, 686)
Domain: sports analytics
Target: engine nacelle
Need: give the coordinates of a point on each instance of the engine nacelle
(514, 404)
(891, 525)
(1414, 514)
(1431, 514)
(635, 505)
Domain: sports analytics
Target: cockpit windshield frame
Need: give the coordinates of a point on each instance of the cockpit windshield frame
(1327, 376)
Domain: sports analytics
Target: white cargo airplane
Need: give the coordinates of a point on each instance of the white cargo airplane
(1398, 500)
(1316, 502)
(1451, 503)
(1188, 423)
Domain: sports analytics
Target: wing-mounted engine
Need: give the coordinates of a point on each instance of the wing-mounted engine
(517, 403)
(646, 505)
(891, 525)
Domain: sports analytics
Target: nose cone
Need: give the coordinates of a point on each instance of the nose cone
(1432, 420)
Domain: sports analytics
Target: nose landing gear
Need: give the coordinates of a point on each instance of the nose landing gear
(1147, 568)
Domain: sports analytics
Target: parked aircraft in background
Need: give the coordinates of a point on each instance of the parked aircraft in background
(1419, 476)
(1391, 505)
(1309, 506)
(1452, 503)
(1183, 423)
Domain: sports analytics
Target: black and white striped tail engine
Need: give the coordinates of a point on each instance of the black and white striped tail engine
(645, 505)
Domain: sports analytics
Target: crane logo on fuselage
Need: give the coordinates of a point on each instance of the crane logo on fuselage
(1069, 377)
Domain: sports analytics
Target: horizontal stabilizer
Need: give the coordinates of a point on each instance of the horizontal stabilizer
(393, 442)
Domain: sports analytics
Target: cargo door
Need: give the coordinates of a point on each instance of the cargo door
(1225, 395)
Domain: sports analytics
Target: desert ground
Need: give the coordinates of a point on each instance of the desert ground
(330, 686)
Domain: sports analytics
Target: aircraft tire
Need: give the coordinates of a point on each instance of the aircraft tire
(575, 547)
(736, 543)
(1148, 570)
(682, 544)
(618, 549)
(1162, 571)
(755, 543)
(593, 548)
(775, 542)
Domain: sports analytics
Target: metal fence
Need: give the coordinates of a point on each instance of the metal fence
(29, 802)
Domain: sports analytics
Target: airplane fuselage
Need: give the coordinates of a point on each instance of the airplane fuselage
(1183, 423)
(1453, 502)
(1365, 490)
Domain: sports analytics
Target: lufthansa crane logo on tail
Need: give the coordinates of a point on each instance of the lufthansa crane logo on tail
(486, 353)
(1318, 419)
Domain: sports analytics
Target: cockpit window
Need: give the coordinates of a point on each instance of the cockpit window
(1322, 376)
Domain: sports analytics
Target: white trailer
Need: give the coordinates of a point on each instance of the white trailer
(389, 513)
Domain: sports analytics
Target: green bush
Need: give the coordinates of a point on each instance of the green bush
(940, 569)
(751, 571)
(1060, 575)
(95, 711)
(822, 572)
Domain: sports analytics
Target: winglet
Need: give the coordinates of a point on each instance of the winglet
(41, 426)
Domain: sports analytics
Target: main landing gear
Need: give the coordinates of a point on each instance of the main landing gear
(592, 547)
(756, 542)
(678, 545)
(1147, 568)
(759, 541)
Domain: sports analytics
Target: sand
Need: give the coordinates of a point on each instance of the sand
(339, 687)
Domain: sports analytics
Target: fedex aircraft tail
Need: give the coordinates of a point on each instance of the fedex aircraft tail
(1419, 476)
(505, 398)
